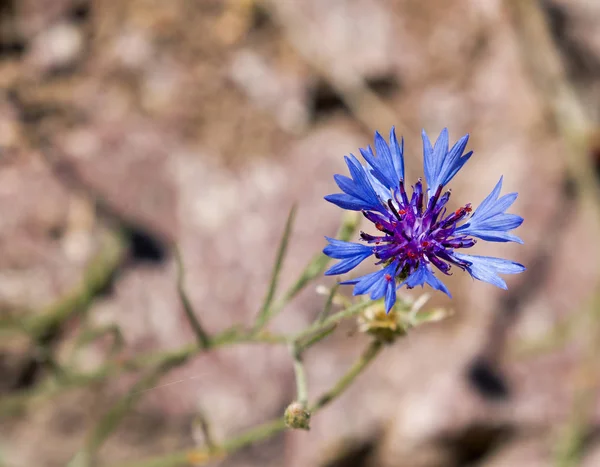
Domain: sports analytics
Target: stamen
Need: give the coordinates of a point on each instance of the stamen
(393, 209)
(381, 227)
(403, 193)
(419, 193)
(456, 216)
(434, 199)
(371, 238)
(441, 265)
(463, 242)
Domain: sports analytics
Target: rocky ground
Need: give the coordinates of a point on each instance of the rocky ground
(128, 127)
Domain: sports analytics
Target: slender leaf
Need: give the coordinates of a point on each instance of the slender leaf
(266, 313)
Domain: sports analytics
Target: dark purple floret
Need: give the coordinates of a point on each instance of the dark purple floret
(414, 234)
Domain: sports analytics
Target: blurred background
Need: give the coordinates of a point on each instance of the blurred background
(128, 127)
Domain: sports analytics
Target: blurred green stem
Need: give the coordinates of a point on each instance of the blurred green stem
(332, 320)
(264, 431)
(266, 311)
(234, 336)
(96, 277)
(365, 359)
(317, 265)
(328, 304)
(300, 373)
(115, 415)
(202, 422)
(201, 335)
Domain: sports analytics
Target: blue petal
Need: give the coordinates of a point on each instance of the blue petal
(345, 265)
(423, 275)
(490, 222)
(383, 192)
(339, 249)
(397, 154)
(365, 283)
(347, 202)
(487, 268)
(385, 288)
(493, 236)
(385, 158)
(359, 193)
(351, 254)
(361, 181)
(376, 283)
(440, 164)
(455, 159)
(377, 170)
(390, 295)
(388, 165)
(429, 161)
(348, 186)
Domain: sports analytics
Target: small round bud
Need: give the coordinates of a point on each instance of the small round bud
(296, 416)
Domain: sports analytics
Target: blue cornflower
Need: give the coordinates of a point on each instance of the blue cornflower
(416, 231)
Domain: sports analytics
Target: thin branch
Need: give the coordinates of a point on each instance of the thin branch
(317, 337)
(317, 265)
(301, 383)
(365, 359)
(115, 415)
(264, 431)
(96, 277)
(328, 304)
(233, 336)
(332, 320)
(201, 335)
(201, 420)
(266, 313)
(12, 404)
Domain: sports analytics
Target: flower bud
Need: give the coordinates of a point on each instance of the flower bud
(296, 416)
(385, 327)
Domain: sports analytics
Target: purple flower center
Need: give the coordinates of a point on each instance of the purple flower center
(414, 233)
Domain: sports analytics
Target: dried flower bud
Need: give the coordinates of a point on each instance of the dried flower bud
(296, 416)
(385, 327)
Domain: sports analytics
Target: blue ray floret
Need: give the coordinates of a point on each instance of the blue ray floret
(416, 232)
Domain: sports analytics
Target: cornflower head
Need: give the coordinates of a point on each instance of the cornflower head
(416, 231)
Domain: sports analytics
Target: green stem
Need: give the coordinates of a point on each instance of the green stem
(96, 278)
(328, 304)
(317, 337)
(301, 383)
(266, 312)
(14, 403)
(201, 335)
(203, 423)
(115, 415)
(233, 336)
(264, 431)
(365, 359)
(318, 263)
(332, 320)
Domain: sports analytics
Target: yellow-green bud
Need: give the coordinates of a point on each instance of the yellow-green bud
(296, 416)
(385, 327)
